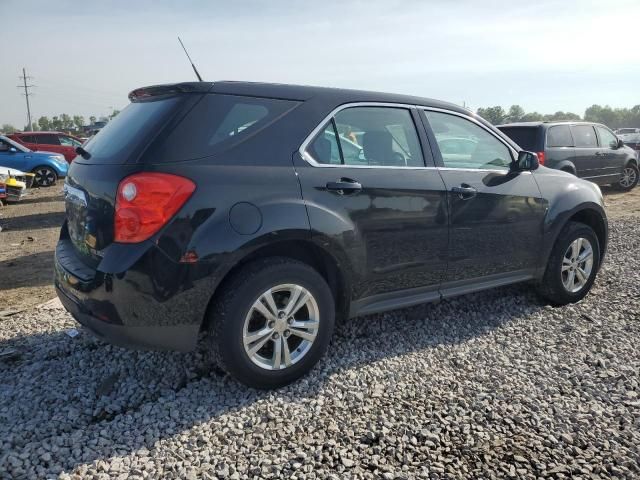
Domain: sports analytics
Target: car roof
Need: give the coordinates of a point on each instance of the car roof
(297, 92)
(548, 124)
(41, 132)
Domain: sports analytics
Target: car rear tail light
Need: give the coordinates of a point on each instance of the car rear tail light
(540, 157)
(145, 202)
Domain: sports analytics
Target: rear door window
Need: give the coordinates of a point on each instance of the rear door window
(559, 136)
(324, 147)
(525, 137)
(584, 136)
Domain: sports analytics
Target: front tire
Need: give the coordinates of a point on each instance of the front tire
(45, 176)
(271, 322)
(629, 179)
(572, 266)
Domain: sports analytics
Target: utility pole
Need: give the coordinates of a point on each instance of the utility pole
(26, 93)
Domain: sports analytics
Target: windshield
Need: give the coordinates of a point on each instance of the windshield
(630, 137)
(16, 145)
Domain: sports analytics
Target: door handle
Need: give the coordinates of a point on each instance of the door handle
(344, 185)
(464, 191)
(598, 154)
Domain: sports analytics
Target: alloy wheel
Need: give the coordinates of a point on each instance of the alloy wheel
(281, 326)
(45, 177)
(629, 177)
(577, 265)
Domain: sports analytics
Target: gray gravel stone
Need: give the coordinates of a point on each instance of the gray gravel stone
(491, 385)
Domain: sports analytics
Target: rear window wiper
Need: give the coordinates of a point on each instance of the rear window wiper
(83, 153)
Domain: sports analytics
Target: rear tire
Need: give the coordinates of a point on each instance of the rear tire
(571, 271)
(265, 344)
(629, 179)
(45, 176)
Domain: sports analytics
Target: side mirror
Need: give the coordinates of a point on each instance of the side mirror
(527, 161)
(620, 143)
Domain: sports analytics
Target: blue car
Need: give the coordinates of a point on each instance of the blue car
(48, 167)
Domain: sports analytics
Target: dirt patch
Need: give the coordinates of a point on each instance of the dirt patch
(30, 231)
(29, 234)
(621, 204)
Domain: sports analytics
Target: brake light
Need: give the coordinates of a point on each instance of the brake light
(145, 202)
(540, 157)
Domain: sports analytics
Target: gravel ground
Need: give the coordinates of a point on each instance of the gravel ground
(488, 385)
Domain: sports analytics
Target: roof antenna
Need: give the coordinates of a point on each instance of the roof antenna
(194, 67)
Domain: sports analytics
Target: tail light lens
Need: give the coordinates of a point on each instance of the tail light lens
(540, 157)
(145, 202)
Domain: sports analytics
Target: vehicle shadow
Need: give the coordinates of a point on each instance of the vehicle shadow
(34, 221)
(31, 270)
(119, 401)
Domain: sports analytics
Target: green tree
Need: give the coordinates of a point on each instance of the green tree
(8, 128)
(113, 114)
(532, 117)
(92, 119)
(66, 122)
(78, 121)
(605, 115)
(56, 123)
(515, 114)
(44, 123)
(558, 116)
(34, 127)
(494, 115)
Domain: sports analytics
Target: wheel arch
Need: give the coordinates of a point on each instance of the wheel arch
(567, 166)
(593, 219)
(333, 269)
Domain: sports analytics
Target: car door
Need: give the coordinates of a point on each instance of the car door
(496, 214)
(370, 194)
(587, 156)
(613, 158)
(48, 142)
(11, 157)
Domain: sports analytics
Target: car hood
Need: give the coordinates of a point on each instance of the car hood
(542, 170)
(551, 179)
(14, 171)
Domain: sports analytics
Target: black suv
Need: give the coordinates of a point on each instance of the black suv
(261, 213)
(588, 150)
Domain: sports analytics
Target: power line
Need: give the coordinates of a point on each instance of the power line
(26, 93)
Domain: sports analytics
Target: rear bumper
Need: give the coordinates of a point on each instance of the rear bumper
(146, 302)
(179, 337)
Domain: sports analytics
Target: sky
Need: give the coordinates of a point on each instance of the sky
(545, 55)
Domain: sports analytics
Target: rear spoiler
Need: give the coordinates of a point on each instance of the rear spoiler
(169, 89)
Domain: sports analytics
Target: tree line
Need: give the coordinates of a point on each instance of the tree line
(58, 123)
(611, 117)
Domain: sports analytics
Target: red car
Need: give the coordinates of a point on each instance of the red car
(55, 142)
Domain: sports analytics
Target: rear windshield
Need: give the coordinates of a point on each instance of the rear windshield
(129, 130)
(216, 123)
(525, 137)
